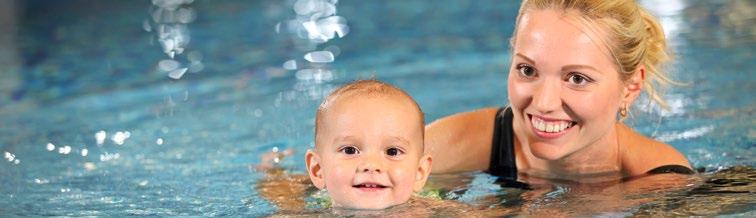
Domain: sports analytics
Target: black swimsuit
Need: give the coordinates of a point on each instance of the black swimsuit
(503, 162)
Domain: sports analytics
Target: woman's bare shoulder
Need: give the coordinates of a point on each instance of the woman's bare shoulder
(642, 154)
(461, 142)
(463, 120)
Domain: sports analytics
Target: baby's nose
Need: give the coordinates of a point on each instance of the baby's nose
(370, 169)
(371, 165)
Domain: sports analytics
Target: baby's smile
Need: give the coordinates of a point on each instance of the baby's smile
(370, 187)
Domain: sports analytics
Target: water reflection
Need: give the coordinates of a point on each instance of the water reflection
(12, 158)
(727, 192)
(171, 19)
(668, 12)
(315, 23)
(10, 66)
(200, 175)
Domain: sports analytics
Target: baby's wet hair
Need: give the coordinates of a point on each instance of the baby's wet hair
(369, 88)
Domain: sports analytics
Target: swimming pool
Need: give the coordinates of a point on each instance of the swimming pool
(92, 124)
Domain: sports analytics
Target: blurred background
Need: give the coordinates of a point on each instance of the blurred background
(159, 107)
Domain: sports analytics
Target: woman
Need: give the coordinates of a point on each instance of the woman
(577, 67)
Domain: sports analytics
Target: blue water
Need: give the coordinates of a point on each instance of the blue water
(70, 69)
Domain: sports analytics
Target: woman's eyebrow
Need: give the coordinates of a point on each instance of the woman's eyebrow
(579, 66)
(525, 57)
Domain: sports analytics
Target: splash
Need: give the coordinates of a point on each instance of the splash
(316, 21)
(170, 19)
(315, 24)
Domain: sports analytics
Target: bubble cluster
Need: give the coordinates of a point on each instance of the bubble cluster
(170, 19)
(64, 150)
(12, 158)
(316, 23)
(319, 57)
(50, 146)
(120, 137)
(108, 156)
(99, 137)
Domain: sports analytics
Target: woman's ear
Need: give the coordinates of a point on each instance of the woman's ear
(314, 169)
(634, 85)
(423, 171)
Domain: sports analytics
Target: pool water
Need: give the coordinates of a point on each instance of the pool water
(92, 121)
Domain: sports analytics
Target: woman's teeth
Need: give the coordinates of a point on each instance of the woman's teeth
(550, 126)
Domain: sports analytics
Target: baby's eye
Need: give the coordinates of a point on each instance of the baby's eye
(394, 152)
(349, 150)
(526, 70)
(578, 79)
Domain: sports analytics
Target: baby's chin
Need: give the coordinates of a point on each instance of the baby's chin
(366, 205)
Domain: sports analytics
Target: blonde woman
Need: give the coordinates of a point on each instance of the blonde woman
(577, 67)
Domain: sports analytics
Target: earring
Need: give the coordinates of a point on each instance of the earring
(623, 111)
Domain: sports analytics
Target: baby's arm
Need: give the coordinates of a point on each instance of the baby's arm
(286, 191)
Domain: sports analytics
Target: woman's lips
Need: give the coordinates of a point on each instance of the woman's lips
(548, 127)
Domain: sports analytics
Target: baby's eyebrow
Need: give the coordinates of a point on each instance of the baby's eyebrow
(400, 139)
(344, 138)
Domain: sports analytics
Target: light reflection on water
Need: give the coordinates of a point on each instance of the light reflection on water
(726, 192)
(149, 145)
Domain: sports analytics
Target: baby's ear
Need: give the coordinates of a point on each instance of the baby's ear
(314, 169)
(423, 171)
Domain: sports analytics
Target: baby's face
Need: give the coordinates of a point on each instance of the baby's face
(369, 152)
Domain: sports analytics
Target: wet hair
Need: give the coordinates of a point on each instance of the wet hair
(635, 37)
(368, 89)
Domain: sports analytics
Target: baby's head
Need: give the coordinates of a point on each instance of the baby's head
(368, 146)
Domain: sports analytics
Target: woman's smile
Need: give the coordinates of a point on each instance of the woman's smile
(550, 128)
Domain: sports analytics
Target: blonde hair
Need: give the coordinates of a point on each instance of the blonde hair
(635, 37)
(365, 89)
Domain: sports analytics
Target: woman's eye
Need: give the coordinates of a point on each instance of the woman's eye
(393, 152)
(526, 70)
(578, 79)
(349, 150)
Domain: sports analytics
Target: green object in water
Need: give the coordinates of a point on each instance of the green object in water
(318, 200)
(434, 194)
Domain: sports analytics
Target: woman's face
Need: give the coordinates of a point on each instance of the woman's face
(564, 87)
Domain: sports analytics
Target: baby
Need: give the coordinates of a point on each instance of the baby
(368, 155)
(368, 146)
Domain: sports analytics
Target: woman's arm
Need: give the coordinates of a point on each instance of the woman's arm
(461, 142)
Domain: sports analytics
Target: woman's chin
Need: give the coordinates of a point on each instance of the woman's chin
(548, 152)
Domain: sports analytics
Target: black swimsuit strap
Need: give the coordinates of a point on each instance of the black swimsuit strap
(503, 162)
(671, 169)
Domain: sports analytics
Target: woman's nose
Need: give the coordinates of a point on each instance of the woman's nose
(547, 96)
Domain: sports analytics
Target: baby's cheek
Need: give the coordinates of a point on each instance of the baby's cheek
(339, 175)
(404, 180)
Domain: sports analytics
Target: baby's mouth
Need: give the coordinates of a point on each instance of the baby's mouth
(369, 186)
